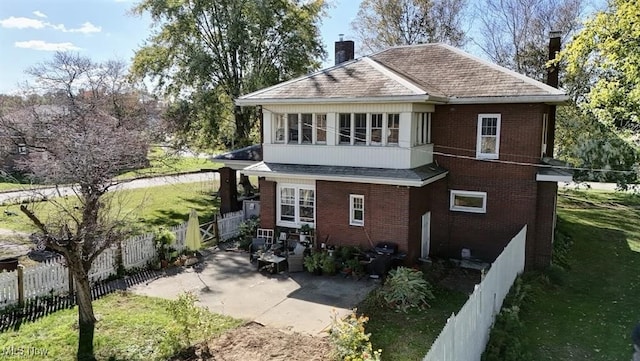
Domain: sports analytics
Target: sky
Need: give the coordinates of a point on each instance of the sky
(32, 30)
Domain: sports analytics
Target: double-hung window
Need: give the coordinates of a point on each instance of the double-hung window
(344, 128)
(22, 148)
(321, 129)
(296, 205)
(356, 210)
(376, 129)
(307, 128)
(360, 121)
(467, 201)
(292, 120)
(423, 128)
(393, 128)
(488, 142)
(278, 127)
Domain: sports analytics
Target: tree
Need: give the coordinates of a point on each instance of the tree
(90, 129)
(515, 33)
(385, 23)
(603, 65)
(206, 53)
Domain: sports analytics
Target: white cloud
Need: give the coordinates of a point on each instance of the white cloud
(25, 23)
(44, 46)
(39, 14)
(22, 23)
(86, 28)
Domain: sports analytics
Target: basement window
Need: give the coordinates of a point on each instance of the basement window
(467, 201)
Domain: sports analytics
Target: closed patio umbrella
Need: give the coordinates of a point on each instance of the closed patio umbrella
(194, 239)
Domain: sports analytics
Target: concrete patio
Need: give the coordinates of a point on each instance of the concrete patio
(227, 283)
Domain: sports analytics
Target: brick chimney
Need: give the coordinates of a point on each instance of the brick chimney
(552, 80)
(344, 50)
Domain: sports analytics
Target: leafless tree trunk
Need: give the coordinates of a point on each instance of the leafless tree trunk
(87, 128)
(385, 23)
(515, 33)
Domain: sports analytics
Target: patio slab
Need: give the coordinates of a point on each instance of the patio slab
(227, 283)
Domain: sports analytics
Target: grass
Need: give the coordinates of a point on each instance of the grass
(130, 327)
(160, 163)
(408, 336)
(154, 206)
(590, 316)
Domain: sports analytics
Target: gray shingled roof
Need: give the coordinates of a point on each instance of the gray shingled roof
(415, 176)
(439, 68)
(252, 153)
(358, 78)
(436, 72)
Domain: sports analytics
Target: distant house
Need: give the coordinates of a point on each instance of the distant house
(425, 146)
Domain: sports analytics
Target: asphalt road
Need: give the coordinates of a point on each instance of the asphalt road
(18, 196)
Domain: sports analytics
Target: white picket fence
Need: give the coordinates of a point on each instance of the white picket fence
(229, 224)
(466, 334)
(52, 278)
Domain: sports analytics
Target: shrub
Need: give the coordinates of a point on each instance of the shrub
(190, 318)
(405, 288)
(505, 342)
(247, 231)
(350, 342)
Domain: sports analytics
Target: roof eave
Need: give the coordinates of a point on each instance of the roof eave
(421, 98)
(558, 99)
(352, 179)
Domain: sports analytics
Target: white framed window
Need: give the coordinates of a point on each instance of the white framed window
(295, 205)
(356, 210)
(344, 128)
(488, 142)
(307, 128)
(292, 125)
(22, 148)
(376, 129)
(393, 128)
(468, 201)
(360, 129)
(278, 128)
(423, 128)
(321, 129)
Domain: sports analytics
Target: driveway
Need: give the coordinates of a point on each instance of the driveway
(227, 283)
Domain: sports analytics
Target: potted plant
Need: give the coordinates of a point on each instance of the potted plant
(328, 264)
(313, 263)
(305, 230)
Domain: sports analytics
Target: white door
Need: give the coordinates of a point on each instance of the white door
(426, 235)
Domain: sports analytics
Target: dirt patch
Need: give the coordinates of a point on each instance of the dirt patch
(256, 342)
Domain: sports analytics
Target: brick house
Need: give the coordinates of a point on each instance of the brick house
(425, 146)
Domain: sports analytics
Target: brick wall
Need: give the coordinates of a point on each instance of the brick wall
(512, 192)
(386, 211)
(267, 203)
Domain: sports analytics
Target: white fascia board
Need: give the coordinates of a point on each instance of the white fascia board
(553, 178)
(367, 180)
(235, 164)
(550, 99)
(388, 99)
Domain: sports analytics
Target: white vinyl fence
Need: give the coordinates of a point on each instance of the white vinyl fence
(466, 334)
(52, 277)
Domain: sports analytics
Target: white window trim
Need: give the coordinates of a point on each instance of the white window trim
(352, 220)
(545, 128)
(296, 223)
(22, 149)
(453, 207)
(479, 154)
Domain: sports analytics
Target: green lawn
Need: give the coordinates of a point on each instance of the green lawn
(408, 336)
(154, 206)
(160, 163)
(591, 315)
(129, 327)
